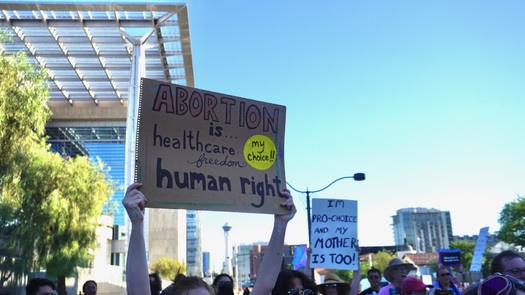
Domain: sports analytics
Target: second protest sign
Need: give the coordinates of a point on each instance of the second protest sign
(334, 234)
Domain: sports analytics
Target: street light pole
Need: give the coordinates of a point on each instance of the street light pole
(356, 177)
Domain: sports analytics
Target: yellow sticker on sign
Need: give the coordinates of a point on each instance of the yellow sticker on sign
(260, 152)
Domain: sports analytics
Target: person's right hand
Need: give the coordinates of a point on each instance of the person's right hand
(288, 204)
(135, 203)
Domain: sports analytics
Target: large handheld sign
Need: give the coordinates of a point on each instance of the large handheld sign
(334, 234)
(202, 150)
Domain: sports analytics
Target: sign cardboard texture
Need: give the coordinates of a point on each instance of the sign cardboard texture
(203, 150)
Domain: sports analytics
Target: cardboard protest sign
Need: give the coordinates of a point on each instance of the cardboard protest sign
(449, 257)
(202, 150)
(334, 234)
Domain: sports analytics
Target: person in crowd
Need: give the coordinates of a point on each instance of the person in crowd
(341, 287)
(395, 273)
(333, 285)
(223, 284)
(137, 269)
(413, 286)
(509, 262)
(155, 283)
(374, 278)
(497, 284)
(40, 286)
(444, 283)
(89, 288)
(293, 282)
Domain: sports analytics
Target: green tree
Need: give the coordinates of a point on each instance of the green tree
(168, 267)
(49, 206)
(71, 204)
(512, 220)
(381, 260)
(23, 109)
(23, 113)
(57, 204)
(467, 251)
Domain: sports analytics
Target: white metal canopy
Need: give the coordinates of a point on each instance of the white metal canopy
(86, 46)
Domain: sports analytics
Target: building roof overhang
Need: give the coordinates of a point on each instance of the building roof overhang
(86, 49)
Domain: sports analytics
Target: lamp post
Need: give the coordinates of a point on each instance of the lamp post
(356, 177)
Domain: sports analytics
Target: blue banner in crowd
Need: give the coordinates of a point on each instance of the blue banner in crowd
(449, 257)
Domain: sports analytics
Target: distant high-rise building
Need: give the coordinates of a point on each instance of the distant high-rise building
(426, 230)
(193, 243)
(167, 234)
(206, 263)
(242, 262)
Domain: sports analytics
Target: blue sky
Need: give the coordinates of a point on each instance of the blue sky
(425, 97)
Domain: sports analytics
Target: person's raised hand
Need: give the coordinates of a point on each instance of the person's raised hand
(134, 202)
(288, 204)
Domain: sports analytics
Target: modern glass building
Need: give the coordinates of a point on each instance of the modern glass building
(95, 54)
(426, 230)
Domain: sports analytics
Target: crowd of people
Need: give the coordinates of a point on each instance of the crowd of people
(508, 270)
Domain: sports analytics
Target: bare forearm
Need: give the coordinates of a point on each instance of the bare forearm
(356, 280)
(308, 271)
(271, 263)
(137, 277)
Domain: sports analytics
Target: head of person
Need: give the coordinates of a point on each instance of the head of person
(191, 286)
(443, 276)
(374, 278)
(497, 284)
(509, 262)
(223, 284)
(40, 286)
(413, 286)
(293, 282)
(223, 278)
(89, 288)
(397, 271)
(333, 285)
(155, 283)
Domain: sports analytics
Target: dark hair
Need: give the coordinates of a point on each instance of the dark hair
(34, 285)
(86, 283)
(220, 276)
(183, 284)
(373, 270)
(498, 263)
(155, 286)
(284, 282)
